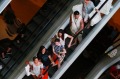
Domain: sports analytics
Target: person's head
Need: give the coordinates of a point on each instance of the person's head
(86, 1)
(42, 49)
(61, 33)
(57, 41)
(35, 59)
(76, 14)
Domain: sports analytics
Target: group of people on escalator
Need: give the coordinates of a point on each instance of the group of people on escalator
(46, 58)
(78, 22)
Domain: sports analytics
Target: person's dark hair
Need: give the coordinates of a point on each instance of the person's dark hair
(61, 31)
(41, 48)
(76, 13)
(57, 40)
(35, 58)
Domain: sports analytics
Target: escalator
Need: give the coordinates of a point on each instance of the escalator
(78, 50)
(92, 54)
(36, 28)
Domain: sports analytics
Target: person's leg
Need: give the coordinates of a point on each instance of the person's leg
(59, 64)
(34, 76)
(79, 38)
(74, 42)
(3, 55)
(9, 49)
(17, 39)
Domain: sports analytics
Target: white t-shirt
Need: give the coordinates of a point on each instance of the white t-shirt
(36, 69)
(63, 41)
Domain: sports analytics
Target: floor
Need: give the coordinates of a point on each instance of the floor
(3, 33)
(24, 11)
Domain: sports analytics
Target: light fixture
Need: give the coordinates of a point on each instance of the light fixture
(3, 4)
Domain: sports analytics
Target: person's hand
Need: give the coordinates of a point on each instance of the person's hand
(76, 33)
(96, 10)
(85, 21)
(53, 64)
(117, 77)
(40, 76)
(58, 56)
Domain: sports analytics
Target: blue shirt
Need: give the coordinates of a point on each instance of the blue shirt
(89, 7)
(58, 49)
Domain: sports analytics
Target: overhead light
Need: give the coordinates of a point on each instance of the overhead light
(3, 4)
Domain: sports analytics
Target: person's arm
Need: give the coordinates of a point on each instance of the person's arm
(71, 39)
(81, 26)
(53, 63)
(41, 71)
(113, 75)
(70, 19)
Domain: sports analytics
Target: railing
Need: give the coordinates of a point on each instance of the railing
(76, 36)
(22, 55)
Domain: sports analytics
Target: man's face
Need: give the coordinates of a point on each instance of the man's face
(86, 1)
(36, 60)
(76, 16)
(57, 43)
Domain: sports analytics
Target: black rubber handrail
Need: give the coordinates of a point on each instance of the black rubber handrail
(33, 40)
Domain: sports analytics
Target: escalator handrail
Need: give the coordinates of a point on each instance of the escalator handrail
(113, 47)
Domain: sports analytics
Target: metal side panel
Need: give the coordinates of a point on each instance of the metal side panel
(3, 4)
(85, 43)
(103, 65)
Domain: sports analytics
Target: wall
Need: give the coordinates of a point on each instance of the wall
(26, 9)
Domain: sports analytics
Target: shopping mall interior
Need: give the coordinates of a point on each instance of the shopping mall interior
(25, 25)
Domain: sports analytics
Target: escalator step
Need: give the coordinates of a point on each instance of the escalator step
(38, 19)
(32, 26)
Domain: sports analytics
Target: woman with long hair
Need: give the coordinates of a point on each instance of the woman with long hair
(62, 36)
(45, 56)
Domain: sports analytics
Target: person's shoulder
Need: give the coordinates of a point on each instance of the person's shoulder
(41, 64)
